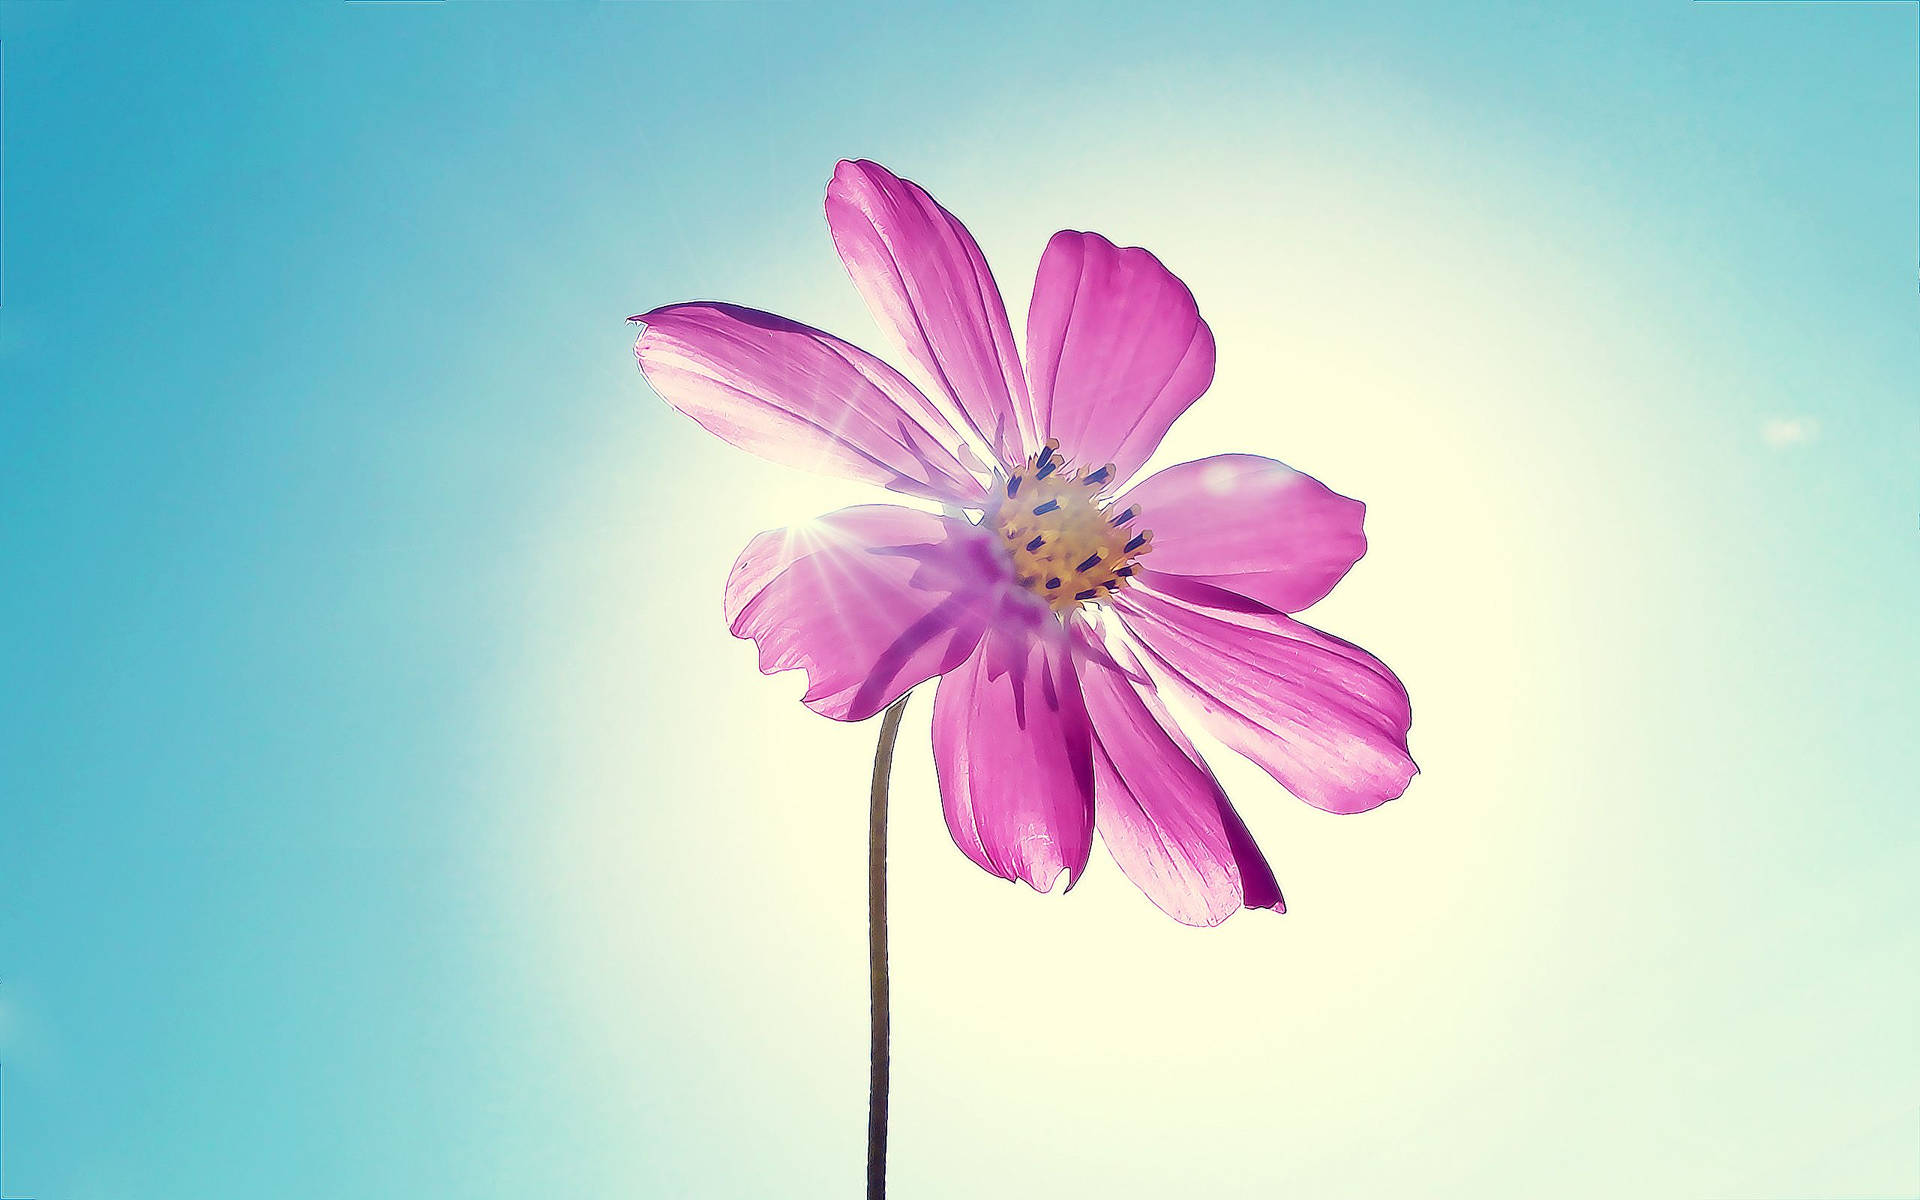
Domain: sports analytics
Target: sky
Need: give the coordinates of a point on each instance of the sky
(385, 810)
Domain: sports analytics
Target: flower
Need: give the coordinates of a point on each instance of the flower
(1060, 603)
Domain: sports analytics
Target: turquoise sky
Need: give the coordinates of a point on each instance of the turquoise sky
(386, 812)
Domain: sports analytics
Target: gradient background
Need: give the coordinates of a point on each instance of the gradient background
(387, 812)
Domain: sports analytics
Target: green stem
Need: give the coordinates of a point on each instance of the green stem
(880, 1057)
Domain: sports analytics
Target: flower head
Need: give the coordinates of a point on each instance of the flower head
(1066, 602)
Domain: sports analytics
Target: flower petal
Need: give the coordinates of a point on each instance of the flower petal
(1116, 350)
(869, 601)
(1161, 813)
(1015, 757)
(1250, 525)
(798, 396)
(1324, 717)
(929, 287)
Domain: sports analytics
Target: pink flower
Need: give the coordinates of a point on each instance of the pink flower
(1064, 613)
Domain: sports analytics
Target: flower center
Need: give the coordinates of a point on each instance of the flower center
(1066, 547)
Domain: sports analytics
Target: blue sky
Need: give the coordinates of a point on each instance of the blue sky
(385, 811)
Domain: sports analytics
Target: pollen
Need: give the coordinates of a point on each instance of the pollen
(1066, 546)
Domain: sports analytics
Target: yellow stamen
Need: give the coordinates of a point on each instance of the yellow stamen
(1066, 547)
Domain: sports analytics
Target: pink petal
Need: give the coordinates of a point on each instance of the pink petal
(801, 397)
(868, 601)
(1258, 886)
(929, 287)
(1161, 813)
(1116, 350)
(1015, 757)
(1324, 717)
(1250, 525)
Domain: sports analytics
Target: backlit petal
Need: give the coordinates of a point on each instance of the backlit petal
(1015, 758)
(929, 287)
(1250, 525)
(1324, 717)
(1161, 813)
(868, 601)
(1116, 350)
(801, 397)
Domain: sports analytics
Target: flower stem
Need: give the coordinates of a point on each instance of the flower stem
(880, 1057)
